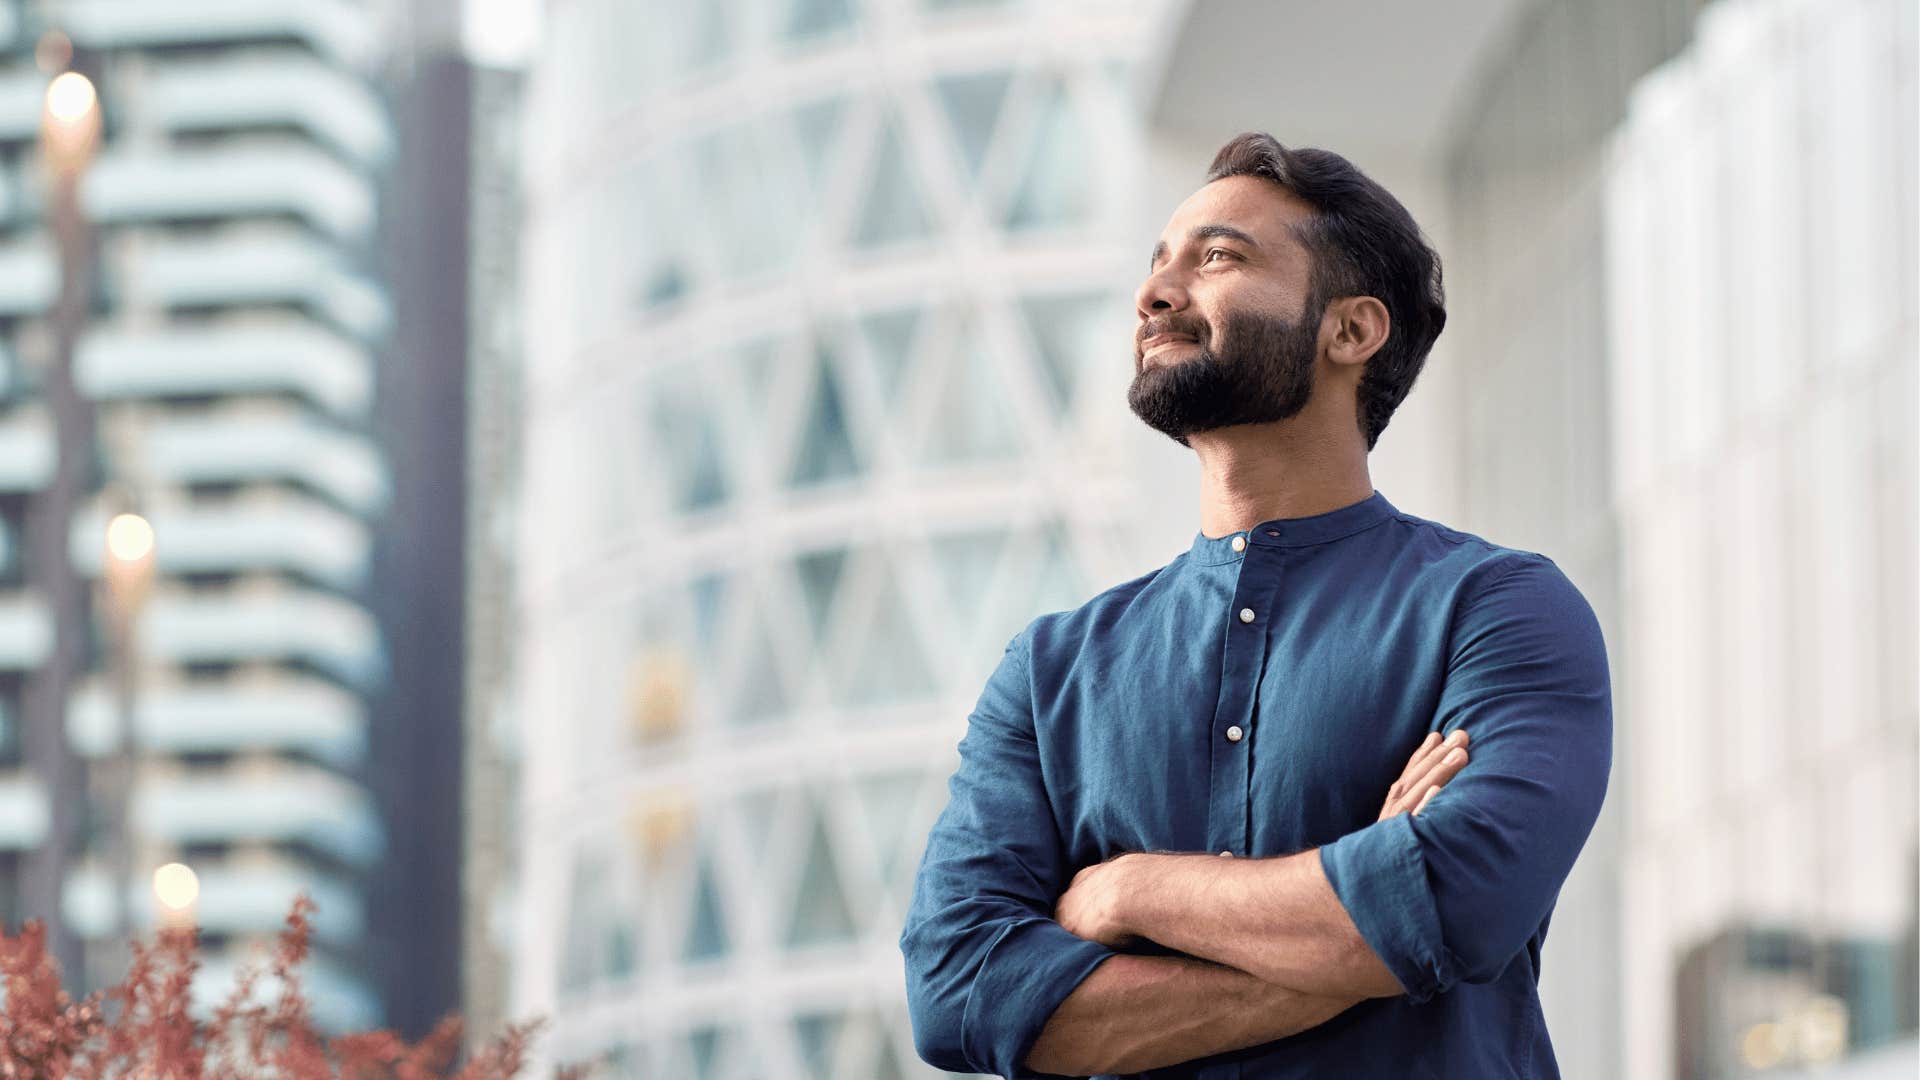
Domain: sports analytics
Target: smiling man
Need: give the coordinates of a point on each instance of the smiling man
(1166, 850)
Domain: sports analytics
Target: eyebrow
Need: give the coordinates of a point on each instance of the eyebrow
(1203, 232)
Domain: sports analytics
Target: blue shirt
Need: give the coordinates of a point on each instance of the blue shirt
(1335, 643)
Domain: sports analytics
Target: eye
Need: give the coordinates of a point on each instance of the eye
(1211, 252)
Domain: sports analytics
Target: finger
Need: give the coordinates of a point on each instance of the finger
(1416, 767)
(1420, 754)
(1443, 770)
(1424, 799)
(1431, 751)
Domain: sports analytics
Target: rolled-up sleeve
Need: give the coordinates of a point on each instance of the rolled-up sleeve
(986, 964)
(1454, 894)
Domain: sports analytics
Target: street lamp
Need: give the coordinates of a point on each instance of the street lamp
(128, 573)
(69, 132)
(176, 889)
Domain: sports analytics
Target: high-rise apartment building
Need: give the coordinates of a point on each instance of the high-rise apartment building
(229, 358)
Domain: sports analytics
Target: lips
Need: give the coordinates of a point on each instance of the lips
(1158, 340)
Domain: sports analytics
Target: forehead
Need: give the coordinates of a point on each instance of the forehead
(1261, 208)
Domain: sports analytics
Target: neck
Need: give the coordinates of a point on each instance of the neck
(1252, 473)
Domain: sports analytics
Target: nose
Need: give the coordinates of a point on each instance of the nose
(1162, 292)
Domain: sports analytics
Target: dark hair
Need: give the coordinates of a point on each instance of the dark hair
(1364, 243)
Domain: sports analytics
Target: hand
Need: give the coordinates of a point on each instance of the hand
(1092, 907)
(1431, 766)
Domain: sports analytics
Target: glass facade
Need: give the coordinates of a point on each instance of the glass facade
(813, 306)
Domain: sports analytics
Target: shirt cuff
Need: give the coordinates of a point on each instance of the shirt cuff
(1028, 971)
(1380, 877)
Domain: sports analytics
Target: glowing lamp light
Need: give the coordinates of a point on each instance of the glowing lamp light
(129, 538)
(70, 97)
(176, 886)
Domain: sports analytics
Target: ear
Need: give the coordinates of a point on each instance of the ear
(1359, 326)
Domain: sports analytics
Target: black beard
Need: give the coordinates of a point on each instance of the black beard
(1262, 371)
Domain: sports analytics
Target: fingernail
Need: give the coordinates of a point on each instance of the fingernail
(1456, 756)
(1459, 735)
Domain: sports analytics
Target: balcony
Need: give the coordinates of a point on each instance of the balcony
(253, 265)
(240, 896)
(246, 446)
(26, 450)
(252, 356)
(29, 277)
(285, 713)
(263, 531)
(266, 622)
(345, 33)
(23, 812)
(26, 633)
(265, 176)
(273, 91)
(262, 802)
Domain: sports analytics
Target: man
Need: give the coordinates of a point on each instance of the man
(1165, 850)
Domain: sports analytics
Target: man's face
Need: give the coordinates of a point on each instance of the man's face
(1224, 335)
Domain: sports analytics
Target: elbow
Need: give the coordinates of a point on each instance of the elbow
(935, 1011)
(937, 1035)
(1366, 974)
(938, 1044)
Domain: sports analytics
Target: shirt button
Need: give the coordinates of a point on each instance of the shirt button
(1234, 733)
(1239, 544)
(1246, 614)
(1226, 854)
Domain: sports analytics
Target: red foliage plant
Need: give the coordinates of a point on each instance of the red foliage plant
(142, 1027)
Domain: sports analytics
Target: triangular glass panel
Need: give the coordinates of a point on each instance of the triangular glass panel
(702, 1044)
(761, 687)
(889, 336)
(972, 420)
(707, 594)
(758, 811)
(966, 561)
(973, 104)
(1068, 331)
(1058, 585)
(886, 803)
(820, 911)
(886, 1064)
(689, 445)
(707, 35)
(892, 666)
(598, 945)
(813, 18)
(1055, 181)
(893, 211)
(816, 125)
(707, 937)
(820, 574)
(825, 453)
(815, 1033)
(755, 362)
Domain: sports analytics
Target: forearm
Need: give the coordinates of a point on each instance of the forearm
(1277, 919)
(1144, 1012)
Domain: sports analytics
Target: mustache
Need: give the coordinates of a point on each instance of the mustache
(1152, 328)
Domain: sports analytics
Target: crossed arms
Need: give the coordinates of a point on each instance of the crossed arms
(1010, 954)
(1285, 956)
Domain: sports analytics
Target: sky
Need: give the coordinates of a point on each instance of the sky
(501, 32)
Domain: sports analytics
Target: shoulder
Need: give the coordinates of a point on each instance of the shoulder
(1064, 633)
(1469, 566)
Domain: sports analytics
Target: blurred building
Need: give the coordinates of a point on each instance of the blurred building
(827, 313)
(826, 322)
(230, 358)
